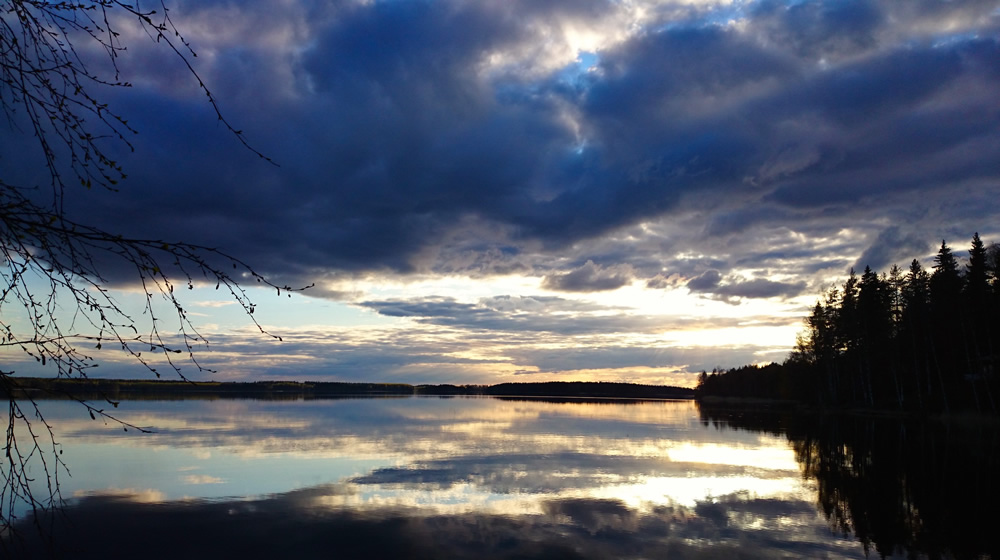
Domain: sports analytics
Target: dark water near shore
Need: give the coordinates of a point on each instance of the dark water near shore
(491, 478)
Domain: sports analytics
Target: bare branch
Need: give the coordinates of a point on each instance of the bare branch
(56, 302)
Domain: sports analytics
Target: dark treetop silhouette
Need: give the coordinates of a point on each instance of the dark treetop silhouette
(55, 272)
(914, 341)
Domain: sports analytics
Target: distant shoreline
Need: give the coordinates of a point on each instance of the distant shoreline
(130, 389)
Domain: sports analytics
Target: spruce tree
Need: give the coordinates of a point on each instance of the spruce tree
(947, 320)
(915, 329)
(979, 337)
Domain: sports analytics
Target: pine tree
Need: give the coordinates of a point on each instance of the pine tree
(894, 284)
(849, 331)
(947, 319)
(976, 309)
(875, 324)
(915, 329)
(976, 283)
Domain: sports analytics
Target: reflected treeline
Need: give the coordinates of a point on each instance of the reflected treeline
(922, 488)
(904, 339)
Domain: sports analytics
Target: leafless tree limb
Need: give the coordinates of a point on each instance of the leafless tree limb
(57, 303)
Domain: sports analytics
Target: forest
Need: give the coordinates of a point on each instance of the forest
(114, 390)
(921, 340)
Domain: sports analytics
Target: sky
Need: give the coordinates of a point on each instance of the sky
(544, 190)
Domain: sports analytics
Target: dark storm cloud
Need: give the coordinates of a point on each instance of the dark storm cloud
(458, 137)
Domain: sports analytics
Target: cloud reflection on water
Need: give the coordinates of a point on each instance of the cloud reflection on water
(582, 528)
(500, 447)
(644, 476)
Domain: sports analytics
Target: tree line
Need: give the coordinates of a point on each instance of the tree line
(916, 339)
(115, 390)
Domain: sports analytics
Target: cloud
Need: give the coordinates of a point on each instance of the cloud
(750, 151)
(706, 282)
(517, 314)
(428, 117)
(202, 479)
(589, 278)
(661, 282)
(892, 245)
(761, 288)
(217, 303)
(826, 30)
(440, 140)
(710, 282)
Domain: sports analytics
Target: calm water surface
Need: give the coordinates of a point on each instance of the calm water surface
(456, 478)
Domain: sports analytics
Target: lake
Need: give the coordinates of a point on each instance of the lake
(427, 477)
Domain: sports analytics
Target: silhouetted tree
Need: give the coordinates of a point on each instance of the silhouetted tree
(915, 328)
(976, 275)
(976, 311)
(875, 322)
(947, 318)
(894, 284)
(917, 340)
(55, 302)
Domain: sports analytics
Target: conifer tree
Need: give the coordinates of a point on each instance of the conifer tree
(947, 319)
(875, 332)
(978, 339)
(894, 284)
(915, 328)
